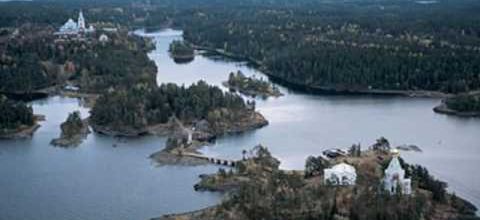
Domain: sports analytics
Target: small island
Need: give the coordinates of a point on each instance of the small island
(74, 130)
(352, 186)
(17, 119)
(466, 105)
(207, 110)
(251, 86)
(181, 51)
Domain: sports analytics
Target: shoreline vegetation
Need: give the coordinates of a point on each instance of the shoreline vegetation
(73, 131)
(23, 131)
(463, 105)
(17, 119)
(257, 189)
(200, 107)
(251, 86)
(324, 90)
(181, 51)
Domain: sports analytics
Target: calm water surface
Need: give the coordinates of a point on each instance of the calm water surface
(99, 181)
(93, 181)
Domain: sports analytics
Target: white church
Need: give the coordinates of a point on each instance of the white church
(394, 180)
(75, 28)
(341, 174)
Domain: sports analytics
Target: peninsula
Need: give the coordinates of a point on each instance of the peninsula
(17, 119)
(347, 187)
(466, 105)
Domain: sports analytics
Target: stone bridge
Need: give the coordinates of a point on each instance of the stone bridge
(213, 160)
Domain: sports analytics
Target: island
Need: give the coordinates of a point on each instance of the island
(205, 109)
(74, 130)
(354, 186)
(466, 105)
(181, 51)
(17, 119)
(251, 86)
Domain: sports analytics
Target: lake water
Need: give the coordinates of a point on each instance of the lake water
(99, 181)
(303, 124)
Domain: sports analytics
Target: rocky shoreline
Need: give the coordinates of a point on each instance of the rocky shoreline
(443, 109)
(164, 158)
(248, 121)
(181, 142)
(23, 131)
(119, 132)
(252, 93)
(72, 140)
(197, 214)
(185, 140)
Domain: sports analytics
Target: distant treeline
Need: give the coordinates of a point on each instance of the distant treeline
(354, 45)
(398, 45)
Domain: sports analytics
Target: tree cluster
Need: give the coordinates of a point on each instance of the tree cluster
(464, 103)
(139, 107)
(73, 125)
(251, 85)
(14, 114)
(180, 48)
(314, 166)
(426, 181)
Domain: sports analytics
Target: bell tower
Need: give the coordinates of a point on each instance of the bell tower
(81, 22)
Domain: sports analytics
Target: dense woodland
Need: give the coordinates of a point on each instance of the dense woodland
(140, 107)
(14, 114)
(116, 65)
(35, 60)
(354, 46)
(32, 58)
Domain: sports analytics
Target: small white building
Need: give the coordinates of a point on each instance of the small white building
(395, 177)
(341, 174)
